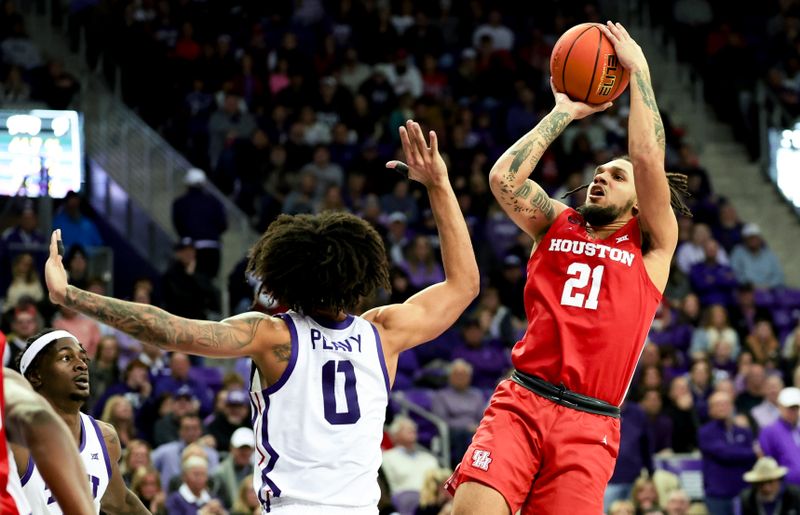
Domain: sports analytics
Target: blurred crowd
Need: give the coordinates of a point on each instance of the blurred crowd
(293, 107)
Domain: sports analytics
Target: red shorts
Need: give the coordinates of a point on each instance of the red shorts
(541, 456)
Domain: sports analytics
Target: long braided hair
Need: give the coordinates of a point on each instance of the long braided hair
(326, 262)
(678, 188)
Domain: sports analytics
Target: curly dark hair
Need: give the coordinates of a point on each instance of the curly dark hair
(324, 263)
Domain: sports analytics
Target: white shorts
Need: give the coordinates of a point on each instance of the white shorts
(293, 508)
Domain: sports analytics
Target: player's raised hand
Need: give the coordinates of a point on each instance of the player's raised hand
(424, 163)
(54, 273)
(578, 109)
(628, 51)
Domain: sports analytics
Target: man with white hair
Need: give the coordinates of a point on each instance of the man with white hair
(406, 463)
(193, 492)
(768, 411)
(781, 440)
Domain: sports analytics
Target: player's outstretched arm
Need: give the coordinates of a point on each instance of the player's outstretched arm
(117, 499)
(521, 198)
(35, 430)
(430, 312)
(646, 146)
(233, 337)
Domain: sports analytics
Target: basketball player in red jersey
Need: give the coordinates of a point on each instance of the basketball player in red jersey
(548, 442)
(27, 419)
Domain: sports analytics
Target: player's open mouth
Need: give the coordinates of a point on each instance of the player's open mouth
(82, 381)
(596, 192)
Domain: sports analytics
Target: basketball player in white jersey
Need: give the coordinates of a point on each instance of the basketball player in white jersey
(28, 420)
(321, 375)
(55, 364)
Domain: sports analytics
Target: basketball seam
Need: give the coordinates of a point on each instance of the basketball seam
(594, 69)
(566, 59)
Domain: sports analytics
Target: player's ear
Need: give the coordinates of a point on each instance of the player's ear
(635, 208)
(35, 379)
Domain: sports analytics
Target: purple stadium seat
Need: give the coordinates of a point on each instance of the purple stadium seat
(406, 502)
(764, 298)
(788, 298)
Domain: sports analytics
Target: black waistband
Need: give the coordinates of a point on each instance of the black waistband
(560, 395)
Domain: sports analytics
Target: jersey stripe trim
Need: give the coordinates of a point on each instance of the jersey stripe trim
(333, 324)
(381, 357)
(28, 471)
(104, 447)
(273, 454)
(292, 359)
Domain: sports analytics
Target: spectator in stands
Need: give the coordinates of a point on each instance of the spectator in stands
(201, 217)
(167, 457)
(678, 503)
(118, 412)
(25, 281)
(635, 453)
(745, 313)
(135, 387)
(179, 376)
(235, 414)
(23, 236)
(668, 329)
(406, 463)
(728, 230)
(188, 292)
(136, 456)
(227, 124)
(76, 228)
(246, 502)
(25, 322)
(193, 493)
(753, 393)
(460, 405)
(235, 467)
(83, 327)
(680, 409)
(433, 497)
(712, 280)
(769, 493)
(790, 355)
(77, 264)
(622, 507)
(694, 251)
(103, 369)
(324, 171)
(715, 328)
(488, 359)
(763, 344)
(146, 484)
(728, 452)
(420, 263)
(781, 440)
(769, 411)
(755, 263)
(183, 402)
(644, 495)
(14, 90)
(657, 423)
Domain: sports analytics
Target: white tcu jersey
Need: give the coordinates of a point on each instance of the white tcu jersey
(319, 428)
(95, 459)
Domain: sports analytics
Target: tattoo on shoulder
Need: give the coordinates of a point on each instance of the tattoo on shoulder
(542, 202)
(283, 352)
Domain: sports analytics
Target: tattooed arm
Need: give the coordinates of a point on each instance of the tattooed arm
(248, 334)
(117, 499)
(646, 143)
(520, 197)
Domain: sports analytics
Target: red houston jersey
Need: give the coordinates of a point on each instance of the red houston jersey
(590, 304)
(11, 498)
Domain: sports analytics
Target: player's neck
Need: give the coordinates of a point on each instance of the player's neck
(71, 416)
(602, 232)
(330, 315)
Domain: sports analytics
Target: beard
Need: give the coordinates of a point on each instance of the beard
(598, 216)
(79, 396)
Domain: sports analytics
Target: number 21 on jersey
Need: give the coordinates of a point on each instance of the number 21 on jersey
(574, 288)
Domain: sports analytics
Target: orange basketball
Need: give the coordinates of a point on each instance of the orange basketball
(585, 67)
